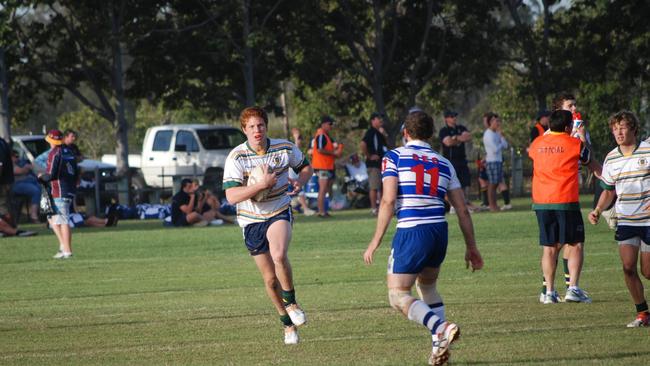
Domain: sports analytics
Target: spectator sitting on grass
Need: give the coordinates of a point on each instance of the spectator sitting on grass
(208, 206)
(185, 203)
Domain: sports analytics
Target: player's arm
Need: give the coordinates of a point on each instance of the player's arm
(472, 255)
(604, 201)
(240, 193)
(586, 156)
(386, 208)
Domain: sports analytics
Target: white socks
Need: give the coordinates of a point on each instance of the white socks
(420, 312)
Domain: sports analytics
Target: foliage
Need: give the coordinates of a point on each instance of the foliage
(149, 115)
(143, 294)
(220, 56)
(389, 52)
(516, 109)
(94, 132)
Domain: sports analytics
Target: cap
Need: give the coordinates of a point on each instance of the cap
(542, 113)
(376, 115)
(54, 137)
(326, 119)
(450, 113)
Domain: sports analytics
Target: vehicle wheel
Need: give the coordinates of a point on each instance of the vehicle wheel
(213, 180)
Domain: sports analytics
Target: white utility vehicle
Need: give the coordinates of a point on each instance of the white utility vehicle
(182, 150)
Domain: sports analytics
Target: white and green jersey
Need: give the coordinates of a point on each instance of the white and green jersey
(630, 176)
(279, 156)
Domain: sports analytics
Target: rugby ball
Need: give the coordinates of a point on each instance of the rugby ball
(257, 175)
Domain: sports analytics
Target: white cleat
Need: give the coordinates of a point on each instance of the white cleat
(62, 255)
(296, 314)
(291, 335)
(551, 298)
(441, 343)
(577, 295)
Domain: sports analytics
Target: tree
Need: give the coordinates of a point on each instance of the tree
(218, 55)
(392, 51)
(75, 43)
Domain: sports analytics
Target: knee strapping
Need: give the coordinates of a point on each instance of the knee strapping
(428, 293)
(399, 299)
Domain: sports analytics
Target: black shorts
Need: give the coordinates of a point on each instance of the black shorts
(462, 172)
(255, 234)
(560, 226)
(181, 220)
(624, 233)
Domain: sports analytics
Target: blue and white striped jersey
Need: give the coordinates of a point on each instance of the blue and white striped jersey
(424, 177)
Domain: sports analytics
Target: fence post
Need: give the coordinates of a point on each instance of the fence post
(97, 188)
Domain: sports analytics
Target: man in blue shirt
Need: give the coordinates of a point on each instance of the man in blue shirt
(416, 180)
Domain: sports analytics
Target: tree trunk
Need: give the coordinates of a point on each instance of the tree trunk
(285, 110)
(248, 56)
(5, 113)
(121, 125)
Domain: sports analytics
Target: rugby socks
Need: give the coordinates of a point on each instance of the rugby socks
(420, 312)
(439, 310)
(506, 196)
(286, 320)
(642, 307)
(567, 276)
(288, 297)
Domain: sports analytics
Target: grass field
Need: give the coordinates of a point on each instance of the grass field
(144, 294)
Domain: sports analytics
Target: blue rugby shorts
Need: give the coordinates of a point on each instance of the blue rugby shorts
(417, 247)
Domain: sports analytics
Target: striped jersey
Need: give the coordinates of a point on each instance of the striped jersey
(279, 156)
(424, 178)
(630, 176)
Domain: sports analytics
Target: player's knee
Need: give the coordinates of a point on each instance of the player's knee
(629, 270)
(428, 292)
(399, 299)
(280, 257)
(271, 283)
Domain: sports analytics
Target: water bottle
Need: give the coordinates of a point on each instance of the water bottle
(577, 122)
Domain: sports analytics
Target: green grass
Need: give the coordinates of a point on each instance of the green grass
(144, 294)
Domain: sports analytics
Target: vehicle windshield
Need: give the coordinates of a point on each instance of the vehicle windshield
(36, 147)
(217, 139)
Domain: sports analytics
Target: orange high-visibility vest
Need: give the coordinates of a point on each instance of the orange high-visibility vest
(556, 161)
(320, 160)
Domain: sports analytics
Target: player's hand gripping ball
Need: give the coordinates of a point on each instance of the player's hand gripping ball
(256, 176)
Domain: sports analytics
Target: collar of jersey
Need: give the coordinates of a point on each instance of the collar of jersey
(418, 143)
(268, 143)
(638, 143)
(556, 133)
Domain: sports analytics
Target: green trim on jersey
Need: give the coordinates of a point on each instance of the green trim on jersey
(571, 206)
(231, 184)
(606, 186)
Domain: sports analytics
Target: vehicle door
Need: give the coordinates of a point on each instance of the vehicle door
(157, 158)
(186, 154)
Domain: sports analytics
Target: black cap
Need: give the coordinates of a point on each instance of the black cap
(542, 113)
(376, 115)
(450, 113)
(326, 119)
